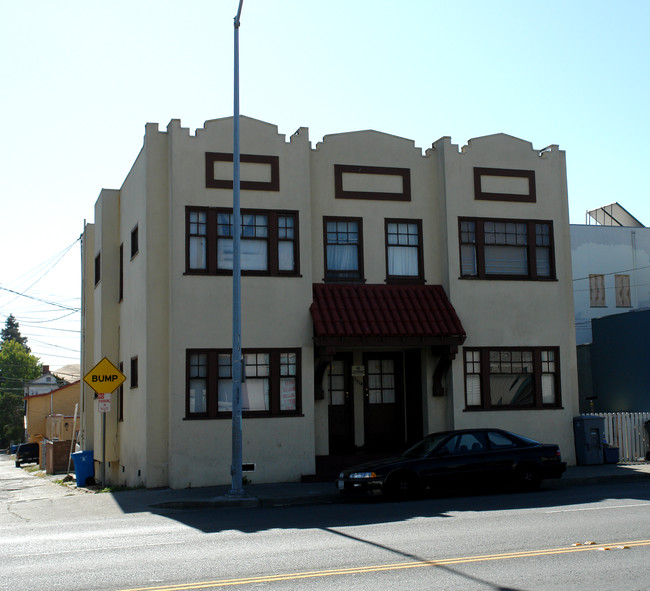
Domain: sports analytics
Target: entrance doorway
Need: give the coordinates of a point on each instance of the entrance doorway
(383, 402)
(340, 405)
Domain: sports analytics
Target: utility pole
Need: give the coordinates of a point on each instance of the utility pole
(237, 366)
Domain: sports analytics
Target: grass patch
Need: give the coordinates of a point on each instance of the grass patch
(118, 488)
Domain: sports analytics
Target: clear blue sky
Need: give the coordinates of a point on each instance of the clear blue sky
(81, 78)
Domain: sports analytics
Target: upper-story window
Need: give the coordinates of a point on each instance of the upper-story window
(506, 249)
(269, 241)
(404, 250)
(135, 246)
(98, 268)
(622, 285)
(597, 297)
(343, 249)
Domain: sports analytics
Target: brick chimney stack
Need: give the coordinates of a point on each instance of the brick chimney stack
(46, 369)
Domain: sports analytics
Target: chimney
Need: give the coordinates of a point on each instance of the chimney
(46, 369)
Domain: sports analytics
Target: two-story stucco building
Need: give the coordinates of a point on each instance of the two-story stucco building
(386, 293)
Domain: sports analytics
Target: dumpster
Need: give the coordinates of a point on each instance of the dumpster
(84, 466)
(589, 432)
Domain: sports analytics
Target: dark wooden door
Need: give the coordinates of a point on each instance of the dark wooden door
(383, 395)
(340, 405)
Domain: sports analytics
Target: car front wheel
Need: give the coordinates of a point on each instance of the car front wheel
(401, 486)
(528, 477)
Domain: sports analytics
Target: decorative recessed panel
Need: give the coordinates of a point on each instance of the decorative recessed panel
(257, 172)
(372, 182)
(503, 184)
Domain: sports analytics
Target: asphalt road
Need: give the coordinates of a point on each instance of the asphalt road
(69, 540)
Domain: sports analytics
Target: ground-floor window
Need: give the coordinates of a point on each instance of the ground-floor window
(502, 378)
(271, 386)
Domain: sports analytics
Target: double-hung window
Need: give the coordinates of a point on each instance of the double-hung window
(404, 250)
(343, 249)
(506, 249)
(271, 386)
(268, 245)
(515, 378)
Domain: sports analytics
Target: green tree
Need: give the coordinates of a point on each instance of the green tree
(17, 366)
(11, 332)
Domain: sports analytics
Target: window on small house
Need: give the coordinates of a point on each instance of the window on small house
(518, 378)
(622, 284)
(597, 291)
(506, 249)
(134, 242)
(343, 249)
(98, 268)
(271, 386)
(268, 241)
(404, 250)
(134, 372)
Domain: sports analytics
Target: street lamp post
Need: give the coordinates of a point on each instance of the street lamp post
(237, 371)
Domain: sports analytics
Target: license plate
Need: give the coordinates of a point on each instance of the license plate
(341, 485)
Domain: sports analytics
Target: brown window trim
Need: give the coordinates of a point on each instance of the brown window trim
(212, 238)
(212, 183)
(486, 404)
(401, 279)
(530, 250)
(212, 401)
(354, 276)
(340, 193)
(479, 194)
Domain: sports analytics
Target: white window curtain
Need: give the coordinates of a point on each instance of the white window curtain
(403, 261)
(198, 395)
(198, 252)
(254, 254)
(342, 257)
(285, 256)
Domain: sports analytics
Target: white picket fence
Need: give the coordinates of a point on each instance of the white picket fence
(625, 430)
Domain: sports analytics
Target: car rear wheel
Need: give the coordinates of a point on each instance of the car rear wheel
(401, 486)
(528, 477)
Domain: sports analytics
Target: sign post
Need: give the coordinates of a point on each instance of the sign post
(104, 379)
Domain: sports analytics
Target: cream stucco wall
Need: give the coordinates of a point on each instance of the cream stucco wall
(513, 313)
(165, 312)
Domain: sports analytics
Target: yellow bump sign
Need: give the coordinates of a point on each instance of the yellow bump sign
(104, 377)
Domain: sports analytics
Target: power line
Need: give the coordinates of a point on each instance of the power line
(41, 300)
(613, 272)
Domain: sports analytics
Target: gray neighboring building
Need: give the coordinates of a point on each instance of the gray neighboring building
(611, 281)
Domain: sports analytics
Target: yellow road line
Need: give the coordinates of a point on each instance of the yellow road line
(394, 566)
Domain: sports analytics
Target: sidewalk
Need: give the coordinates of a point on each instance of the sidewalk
(312, 493)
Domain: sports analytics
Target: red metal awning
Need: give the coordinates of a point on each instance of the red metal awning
(357, 314)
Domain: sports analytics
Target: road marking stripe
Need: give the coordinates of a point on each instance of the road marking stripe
(599, 508)
(384, 567)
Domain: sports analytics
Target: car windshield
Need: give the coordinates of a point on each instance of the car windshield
(424, 447)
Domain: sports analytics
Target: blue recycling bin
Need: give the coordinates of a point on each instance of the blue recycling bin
(84, 466)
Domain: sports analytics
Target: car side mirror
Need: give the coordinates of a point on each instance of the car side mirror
(441, 452)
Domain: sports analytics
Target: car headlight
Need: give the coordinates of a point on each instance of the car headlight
(362, 475)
